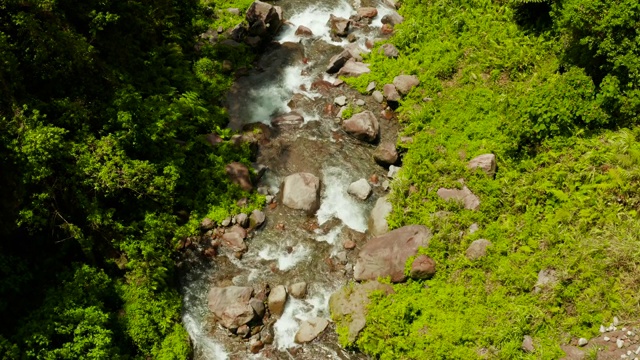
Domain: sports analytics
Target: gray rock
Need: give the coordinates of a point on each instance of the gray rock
(298, 290)
(378, 220)
(234, 241)
(277, 300)
(339, 26)
(389, 50)
(338, 61)
(478, 249)
(473, 228)
(243, 331)
(230, 305)
(546, 279)
(256, 219)
(207, 224)
(341, 256)
(360, 102)
(340, 114)
(386, 154)
(352, 37)
(363, 126)
(264, 19)
(385, 185)
(257, 306)
(360, 189)
(310, 329)
(465, 196)
(348, 306)
(377, 96)
(386, 255)
(371, 86)
(527, 344)
(354, 69)
(242, 219)
(583, 342)
(390, 92)
(234, 11)
(422, 267)
(485, 162)
(255, 346)
(226, 222)
(301, 191)
(393, 171)
(404, 83)
(392, 19)
(392, 4)
(340, 100)
(355, 50)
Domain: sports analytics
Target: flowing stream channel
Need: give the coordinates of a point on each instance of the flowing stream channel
(293, 246)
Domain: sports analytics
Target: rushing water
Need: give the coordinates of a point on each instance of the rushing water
(308, 248)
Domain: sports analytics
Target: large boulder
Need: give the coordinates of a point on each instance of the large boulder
(378, 220)
(386, 154)
(339, 26)
(301, 191)
(363, 126)
(387, 255)
(404, 83)
(464, 195)
(348, 306)
(354, 69)
(239, 174)
(391, 93)
(230, 305)
(485, 162)
(277, 300)
(264, 19)
(310, 329)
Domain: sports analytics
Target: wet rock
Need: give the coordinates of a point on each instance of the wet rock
(371, 86)
(392, 3)
(257, 306)
(255, 346)
(363, 126)
(527, 344)
(464, 195)
(340, 100)
(264, 18)
(277, 300)
(393, 171)
(310, 329)
(386, 255)
(339, 26)
(485, 162)
(242, 219)
(368, 12)
(386, 154)
(546, 279)
(289, 119)
(354, 69)
(207, 224)
(392, 19)
(239, 174)
(422, 267)
(256, 219)
(378, 220)
(298, 290)
(360, 189)
(243, 330)
(404, 83)
(234, 240)
(230, 305)
(389, 50)
(338, 61)
(478, 249)
(304, 31)
(391, 93)
(377, 96)
(301, 191)
(348, 306)
(341, 256)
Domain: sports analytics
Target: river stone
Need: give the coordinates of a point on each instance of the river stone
(291, 118)
(422, 267)
(404, 83)
(386, 154)
(377, 96)
(368, 12)
(465, 196)
(386, 255)
(485, 162)
(277, 300)
(242, 219)
(371, 86)
(340, 100)
(338, 61)
(310, 329)
(392, 19)
(257, 306)
(301, 191)
(234, 241)
(303, 31)
(360, 189)
(389, 50)
(363, 126)
(478, 249)
(378, 220)
(256, 219)
(354, 68)
(262, 15)
(391, 93)
(355, 50)
(339, 26)
(348, 305)
(239, 174)
(298, 290)
(230, 305)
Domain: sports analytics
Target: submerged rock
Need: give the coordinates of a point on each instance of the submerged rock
(363, 126)
(301, 191)
(230, 305)
(310, 329)
(378, 220)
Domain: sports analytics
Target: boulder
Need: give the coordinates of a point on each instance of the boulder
(257, 306)
(264, 16)
(392, 19)
(389, 50)
(485, 162)
(310, 329)
(339, 26)
(277, 300)
(301, 191)
(360, 189)
(230, 305)
(354, 69)
(242, 219)
(337, 61)
(340, 100)
(289, 119)
(348, 306)
(239, 174)
(378, 220)
(234, 239)
(377, 96)
(478, 249)
(422, 267)
(465, 196)
(256, 219)
(404, 83)
(391, 93)
(363, 126)
(304, 31)
(298, 290)
(386, 154)
(386, 255)
(367, 12)
(371, 87)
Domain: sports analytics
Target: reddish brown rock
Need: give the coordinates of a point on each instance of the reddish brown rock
(368, 12)
(391, 93)
(386, 154)
(423, 267)
(239, 174)
(363, 126)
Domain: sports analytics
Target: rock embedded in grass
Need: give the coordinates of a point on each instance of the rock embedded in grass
(386, 154)
(484, 162)
(478, 249)
(404, 83)
(464, 196)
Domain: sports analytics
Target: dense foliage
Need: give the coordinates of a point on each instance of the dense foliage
(551, 88)
(104, 108)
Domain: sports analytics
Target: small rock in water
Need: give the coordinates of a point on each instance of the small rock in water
(583, 342)
(377, 96)
(527, 344)
(352, 37)
(310, 329)
(393, 171)
(277, 300)
(304, 31)
(340, 100)
(371, 86)
(298, 290)
(360, 189)
(360, 102)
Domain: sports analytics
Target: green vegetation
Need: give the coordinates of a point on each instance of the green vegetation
(104, 108)
(551, 88)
